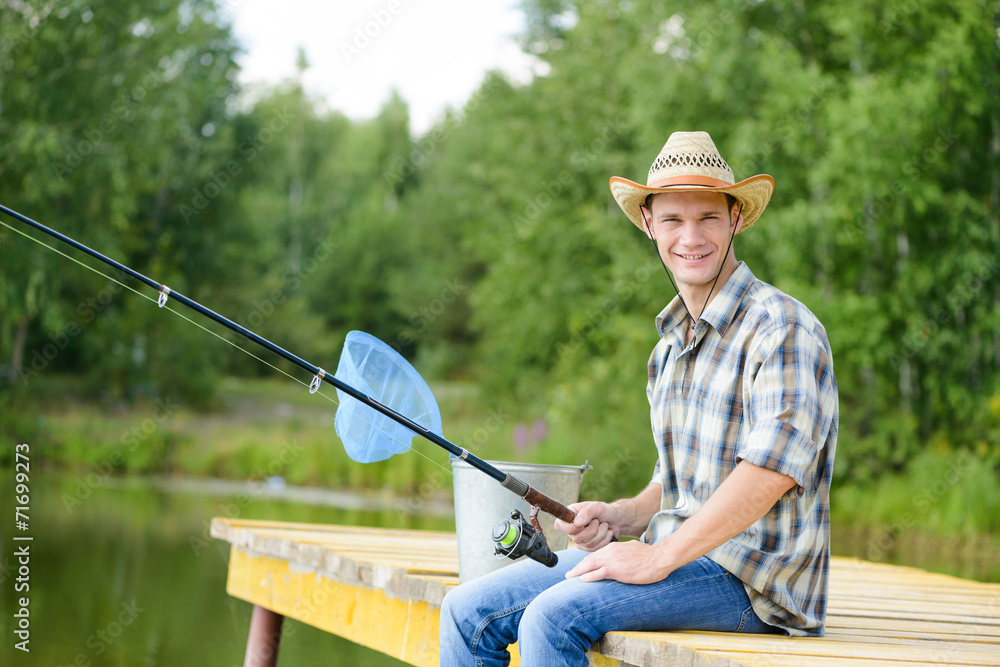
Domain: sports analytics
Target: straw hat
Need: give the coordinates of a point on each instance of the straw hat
(690, 162)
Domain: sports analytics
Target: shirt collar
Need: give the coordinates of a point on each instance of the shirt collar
(721, 310)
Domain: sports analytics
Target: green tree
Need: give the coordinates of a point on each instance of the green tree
(110, 116)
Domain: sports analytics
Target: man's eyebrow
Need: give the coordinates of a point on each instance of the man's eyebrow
(706, 212)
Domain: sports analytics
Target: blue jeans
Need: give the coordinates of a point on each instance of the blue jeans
(555, 620)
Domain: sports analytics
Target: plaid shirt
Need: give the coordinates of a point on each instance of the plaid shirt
(757, 385)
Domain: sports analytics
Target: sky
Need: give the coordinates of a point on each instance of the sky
(434, 52)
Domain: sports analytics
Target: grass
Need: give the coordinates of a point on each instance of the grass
(261, 428)
(944, 492)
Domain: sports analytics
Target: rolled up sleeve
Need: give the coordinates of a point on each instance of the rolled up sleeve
(789, 405)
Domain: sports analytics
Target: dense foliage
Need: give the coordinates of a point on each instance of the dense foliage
(490, 249)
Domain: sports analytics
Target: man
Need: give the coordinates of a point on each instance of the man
(734, 525)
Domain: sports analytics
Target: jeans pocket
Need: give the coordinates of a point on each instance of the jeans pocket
(745, 619)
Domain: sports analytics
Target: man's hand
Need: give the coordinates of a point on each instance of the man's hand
(596, 523)
(628, 562)
(594, 526)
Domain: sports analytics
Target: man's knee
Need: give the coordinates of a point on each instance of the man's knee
(466, 607)
(455, 605)
(539, 617)
(549, 616)
(551, 619)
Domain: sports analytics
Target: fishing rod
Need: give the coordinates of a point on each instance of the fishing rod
(513, 538)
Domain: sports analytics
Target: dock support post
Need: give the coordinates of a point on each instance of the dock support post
(264, 639)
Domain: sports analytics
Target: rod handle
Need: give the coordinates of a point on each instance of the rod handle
(552, 506)
(549, 505)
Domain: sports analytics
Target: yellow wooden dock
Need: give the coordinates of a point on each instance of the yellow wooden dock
(383, 589)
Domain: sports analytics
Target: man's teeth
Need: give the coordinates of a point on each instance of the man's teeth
(693, 256)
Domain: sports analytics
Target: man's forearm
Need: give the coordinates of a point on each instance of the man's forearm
(638, 511)
(746, 496)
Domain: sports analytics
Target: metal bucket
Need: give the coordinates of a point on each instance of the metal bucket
(481, 502)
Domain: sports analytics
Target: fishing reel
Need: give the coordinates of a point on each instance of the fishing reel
(516, 537)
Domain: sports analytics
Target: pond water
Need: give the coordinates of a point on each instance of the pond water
(124, 572)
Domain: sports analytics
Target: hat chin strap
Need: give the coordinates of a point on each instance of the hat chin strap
(656, 248)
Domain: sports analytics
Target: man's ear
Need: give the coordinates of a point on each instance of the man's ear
(736, 215)
(647, 215)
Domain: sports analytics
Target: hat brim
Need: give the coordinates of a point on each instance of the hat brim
(754, 193)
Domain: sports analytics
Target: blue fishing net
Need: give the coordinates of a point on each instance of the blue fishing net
(372, 367)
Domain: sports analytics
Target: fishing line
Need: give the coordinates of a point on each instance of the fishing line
(203, 328)
(174, 311)
(168, 307)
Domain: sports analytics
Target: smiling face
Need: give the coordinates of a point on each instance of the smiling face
(692, 232)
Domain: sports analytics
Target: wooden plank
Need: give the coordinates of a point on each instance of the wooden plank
(911, 638)
(258, 524)
(903, 590)
(885, 631)
(640, 648)
(848, 599)
(796, 661)
(660, 643)
(884, 624)
(877, 574)
(959, 619)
